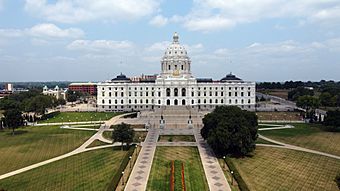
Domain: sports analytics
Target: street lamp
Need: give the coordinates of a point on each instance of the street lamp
(123, 178)
(232, 177)
(130, 157)
(223, 161)
(136, 151)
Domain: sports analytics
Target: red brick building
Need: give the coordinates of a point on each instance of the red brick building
(90, 88)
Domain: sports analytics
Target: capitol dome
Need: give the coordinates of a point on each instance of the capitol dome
(175, 49)
(175, 61)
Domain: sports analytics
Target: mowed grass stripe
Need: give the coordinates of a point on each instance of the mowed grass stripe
(36, 144)
(283, 169)
(91, 170)
(307, 136)
(160, 172)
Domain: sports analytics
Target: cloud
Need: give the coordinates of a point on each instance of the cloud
(100, 45)
(45, 30)
(214, 15)
(158, 21)
(51, 30)
(74, 11)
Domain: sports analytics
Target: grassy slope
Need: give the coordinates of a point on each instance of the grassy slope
(92, 170)
(289, 116)
(160, 172)
(80, 116)
(283, 169)
(36, 144)
(308, 136)
(141, 134)
(177, 138)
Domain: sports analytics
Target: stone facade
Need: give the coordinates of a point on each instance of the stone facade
(174, 86)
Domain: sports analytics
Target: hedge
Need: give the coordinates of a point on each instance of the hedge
(49, 115)
(116, 178)
(241, 184)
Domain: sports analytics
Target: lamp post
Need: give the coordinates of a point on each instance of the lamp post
(123, 178)
(130, 157)
(232, 177)
(223, 161)
(136, 151)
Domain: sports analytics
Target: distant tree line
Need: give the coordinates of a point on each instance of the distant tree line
(294, 84)
(36, 85)
(33, 101)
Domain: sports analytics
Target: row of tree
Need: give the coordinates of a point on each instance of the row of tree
(295, 84)
(32, 101)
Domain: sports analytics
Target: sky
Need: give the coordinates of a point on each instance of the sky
(87, 40)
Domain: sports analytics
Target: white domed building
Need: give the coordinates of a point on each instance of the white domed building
(175, 86)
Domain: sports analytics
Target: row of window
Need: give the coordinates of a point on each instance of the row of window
(175, 93)
(199, 101)
(199, 88)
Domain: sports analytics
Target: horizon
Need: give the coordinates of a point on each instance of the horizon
(271, 41)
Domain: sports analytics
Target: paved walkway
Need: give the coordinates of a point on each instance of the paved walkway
(179, 144)
(68, 123)
(78, 150)
(277, 127)
(140, 173)
(213, 171)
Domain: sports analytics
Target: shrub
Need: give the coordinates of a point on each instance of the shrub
(337, 180)
(49, 115)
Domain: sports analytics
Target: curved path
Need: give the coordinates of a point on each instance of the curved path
(293, 147)
(81, 149)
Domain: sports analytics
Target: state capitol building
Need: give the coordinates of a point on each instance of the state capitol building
(174, 86)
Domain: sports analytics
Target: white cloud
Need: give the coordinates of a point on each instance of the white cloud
(158, 46)
(100, 45)
(51, 30)
(158, 21)
(45, 30)
(212, 15)
(73, 11)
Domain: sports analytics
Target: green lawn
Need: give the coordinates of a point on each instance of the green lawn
(159, 178)
(80, 116)
(285, 170)
(91, 170)
(35, 144)
(176, 138)
(308, 136)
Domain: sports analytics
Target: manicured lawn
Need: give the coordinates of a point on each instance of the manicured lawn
(283, 169)
(308, 136)
(262, 141)
(159, 178)
(91, 170)
(287, 116)
(86, 126)
(80, 116)
(97, 143)
(35, 144)
(177, 138)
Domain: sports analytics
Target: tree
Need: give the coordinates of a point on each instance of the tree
(123, 133)
(308, 102)
(13, 119)
(332, 120)
(327, 99)
(73, 96)
(230, 130)
(61, 101)
(298, 92)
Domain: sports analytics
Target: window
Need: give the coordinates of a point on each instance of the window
(205, 101)
(175, 92)
(159, 102)
(103, 101)
(242, 94)
(210, 101)
(248, 93)
(135, 101)
(122, 94)
(147, 101)
(192, 94)
(182, 67)
(221, 93)
(248, 100)
(116, 94)
(129, 101)
(129, 93)
(152, 94)
(192, 102)
(135, 94)
(168, 92)
(115, 101)
(183, 92)
(109, 101)
(141, 101)
(216, 101)
(122, 101)
(146, 93)
(199, 101)
(229, 94)
(141, 93)
(109, 88)
(221, 100)
(205, 93)
(103, 94)
(235, 94)
(169, 67)
(236, 101)
(159, 94)
(199, 93)
(215, 93)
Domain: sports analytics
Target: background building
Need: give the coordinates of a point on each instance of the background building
(174, 86)
(56, 92)
(86, 88)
